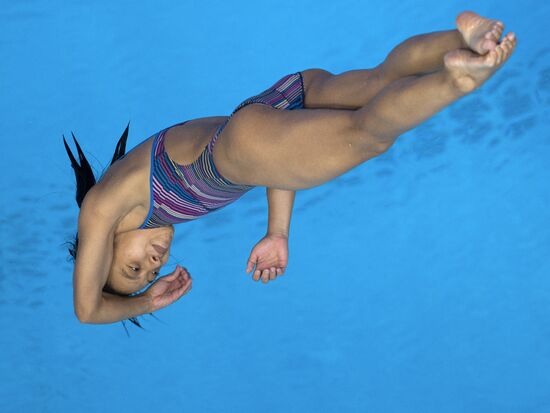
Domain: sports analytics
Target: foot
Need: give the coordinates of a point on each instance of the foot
(480, 34)
(469, 70)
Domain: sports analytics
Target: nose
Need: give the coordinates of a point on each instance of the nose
(158, 254)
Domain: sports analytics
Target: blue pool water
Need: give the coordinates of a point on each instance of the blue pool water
(417, 282)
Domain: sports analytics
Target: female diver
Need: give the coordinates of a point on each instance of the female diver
(334, 123)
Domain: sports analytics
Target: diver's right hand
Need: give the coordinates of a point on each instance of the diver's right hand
(169, 288)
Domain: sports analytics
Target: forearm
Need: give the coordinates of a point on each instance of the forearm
(115, 308)
(280, 204)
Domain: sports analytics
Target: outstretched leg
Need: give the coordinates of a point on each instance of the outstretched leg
(421, 54)
(415, 56)
(409, 101)
(424, 53)
(300, 149)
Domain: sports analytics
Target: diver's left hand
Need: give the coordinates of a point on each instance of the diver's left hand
(270, 255)
(168, 289)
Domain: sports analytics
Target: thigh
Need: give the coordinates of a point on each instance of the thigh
(348, 90)
(291, 149)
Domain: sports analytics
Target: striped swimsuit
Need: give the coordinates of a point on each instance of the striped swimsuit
(182, 193)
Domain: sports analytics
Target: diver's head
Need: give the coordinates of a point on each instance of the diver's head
(138, 256)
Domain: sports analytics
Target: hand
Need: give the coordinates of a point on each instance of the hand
(169, 288)
(270, 255)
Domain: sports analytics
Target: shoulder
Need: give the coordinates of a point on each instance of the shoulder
(106, 203)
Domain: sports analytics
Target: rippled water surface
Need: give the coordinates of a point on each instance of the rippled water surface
(417, 282)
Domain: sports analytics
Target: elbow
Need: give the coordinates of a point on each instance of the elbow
(83, 315)
(84, 318)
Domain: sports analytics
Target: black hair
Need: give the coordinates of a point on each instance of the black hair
(85, 179)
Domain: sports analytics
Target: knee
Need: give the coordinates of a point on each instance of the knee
(384, 75)
(369, 135)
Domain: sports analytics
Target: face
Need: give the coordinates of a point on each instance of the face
(138, 256)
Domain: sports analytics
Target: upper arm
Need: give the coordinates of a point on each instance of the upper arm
(96, 229)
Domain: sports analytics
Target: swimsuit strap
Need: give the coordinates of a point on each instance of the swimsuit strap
(158, 143)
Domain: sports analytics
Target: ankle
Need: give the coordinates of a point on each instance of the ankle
(461, 40)
(461, 83)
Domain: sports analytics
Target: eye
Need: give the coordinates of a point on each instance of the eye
(135, 269)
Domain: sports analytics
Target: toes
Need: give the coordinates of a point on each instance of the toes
(494, 34)
(509, 42)
(501, 53)
(510, 47)
(497, 28)
(495, 58)
(492, 57)
(489, 44)
(506, 47)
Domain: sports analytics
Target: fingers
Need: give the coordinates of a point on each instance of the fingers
(174, 274)
(267, 274)
(175, 294)
(179, 277)
(180, 286)
(185, 273)
(272, 273)
(251, 262)
(263, 274)
(170, 288)
(185, 287)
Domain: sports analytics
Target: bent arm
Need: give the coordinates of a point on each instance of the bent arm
(96, 227)
(280, 203)
(115, 308)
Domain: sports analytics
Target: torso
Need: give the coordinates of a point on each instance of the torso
(183, 143)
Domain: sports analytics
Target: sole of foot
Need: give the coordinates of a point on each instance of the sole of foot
(480, 33)
(469, 70)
